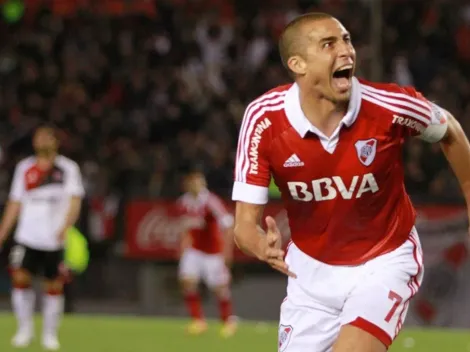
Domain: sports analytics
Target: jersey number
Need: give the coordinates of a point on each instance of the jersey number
(397, 299)
(17, 255)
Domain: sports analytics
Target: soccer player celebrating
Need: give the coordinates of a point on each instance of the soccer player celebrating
(333, 144)
(207, 248)
(45, 196)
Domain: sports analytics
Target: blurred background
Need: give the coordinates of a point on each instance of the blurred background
(138, 87)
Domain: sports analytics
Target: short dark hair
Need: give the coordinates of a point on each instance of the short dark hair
(190, 168)
(47, 126)
(288, 41)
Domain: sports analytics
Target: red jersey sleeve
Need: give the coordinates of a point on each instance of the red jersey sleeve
(426, 120)
(179, 208)
(413, 114)
(220, 213)
(252, 171)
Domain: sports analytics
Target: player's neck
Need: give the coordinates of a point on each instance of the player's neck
(45, 162)
(321, 112)
(198, 193)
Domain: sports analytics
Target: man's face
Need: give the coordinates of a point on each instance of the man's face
(329, 58)
(44, 141)
(194, 182)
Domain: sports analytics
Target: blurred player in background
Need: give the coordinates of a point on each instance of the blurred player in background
(45, 197)
(206, 251)
(333, 144)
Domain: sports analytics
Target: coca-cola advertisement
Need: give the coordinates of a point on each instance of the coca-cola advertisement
(154, 228)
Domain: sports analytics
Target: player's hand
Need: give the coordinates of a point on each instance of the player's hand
(185, 243)
(3, 238)
(271, 251)
(61, 235)
(228, 258)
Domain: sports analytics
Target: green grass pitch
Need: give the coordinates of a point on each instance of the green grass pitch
(128, 334)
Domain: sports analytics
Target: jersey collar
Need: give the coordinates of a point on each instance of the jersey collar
(300, 122)
(201, 197)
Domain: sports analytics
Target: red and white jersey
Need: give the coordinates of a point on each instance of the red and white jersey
(344, 194)
(44, 198)
(205, 215)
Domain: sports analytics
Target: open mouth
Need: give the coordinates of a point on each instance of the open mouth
(342, 77)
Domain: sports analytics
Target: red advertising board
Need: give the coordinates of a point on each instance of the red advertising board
(153, 228)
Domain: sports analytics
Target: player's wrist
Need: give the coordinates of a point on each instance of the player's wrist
(66, 226)
(260, 249)
(3, 233)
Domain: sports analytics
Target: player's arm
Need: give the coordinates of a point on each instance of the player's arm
(248, 234)
(185, 238)
(228, 241)
(73, 213)
(252, 178)
(250, 191)
(252, 240)
(12, 209)
(456, 148)
(185, 242)
(10, 215)
(74, 189)
(225, 223)
(441, 126)
(228, 238)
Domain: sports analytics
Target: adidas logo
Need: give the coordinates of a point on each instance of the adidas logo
(293, 161)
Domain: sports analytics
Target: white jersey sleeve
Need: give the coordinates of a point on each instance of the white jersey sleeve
(437, 127)
(17, 190)
(252, 167)
(73, 183)
(219, 211)
(431, 118)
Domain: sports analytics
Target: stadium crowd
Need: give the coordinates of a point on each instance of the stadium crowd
(137, 96)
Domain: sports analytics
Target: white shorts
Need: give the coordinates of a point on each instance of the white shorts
(373, 296)
(210, 268)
